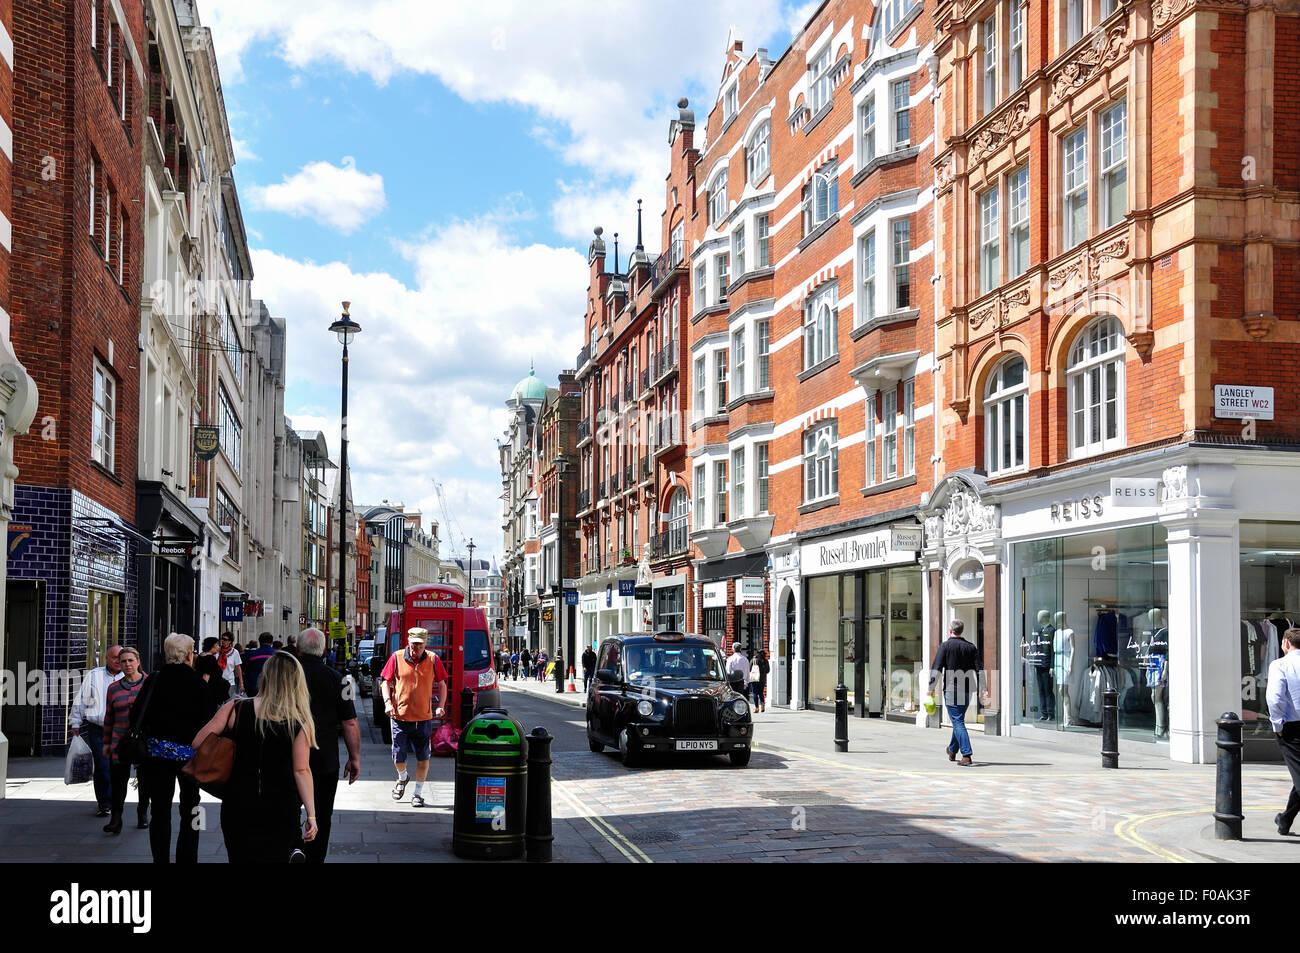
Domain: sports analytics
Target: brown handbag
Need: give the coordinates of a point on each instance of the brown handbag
(214, 760)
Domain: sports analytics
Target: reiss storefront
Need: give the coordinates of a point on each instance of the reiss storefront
(1168, 577)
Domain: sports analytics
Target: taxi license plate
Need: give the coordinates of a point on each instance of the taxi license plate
(710, 745)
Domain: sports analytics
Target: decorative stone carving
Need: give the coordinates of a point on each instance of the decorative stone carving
(961, 405)
(1088, 265)
(1175, 481)
(933, 529)
(1258, 325)
(1002, 308)
(966, 514)
(1106, 50)
(1162, 11)
(1143, 342)
(944, 173)
(1008, 124)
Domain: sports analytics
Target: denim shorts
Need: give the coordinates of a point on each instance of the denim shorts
(415, 736)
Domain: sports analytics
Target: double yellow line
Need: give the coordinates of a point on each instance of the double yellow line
(1128, 831)
(634, 854)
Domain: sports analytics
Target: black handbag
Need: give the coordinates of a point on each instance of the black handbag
(134, 746)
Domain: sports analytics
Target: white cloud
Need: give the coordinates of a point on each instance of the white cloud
(602, 83)
(435, 359)
(797, 17)
(341, 197)
(243, 151)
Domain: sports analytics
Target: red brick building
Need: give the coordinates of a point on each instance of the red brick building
(812, 355)
(1119, 245)
(633, 496)
(75, 278)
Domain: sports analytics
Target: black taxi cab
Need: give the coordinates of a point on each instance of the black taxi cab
(666, 692)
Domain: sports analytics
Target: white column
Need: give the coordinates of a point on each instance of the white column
(1204, 606)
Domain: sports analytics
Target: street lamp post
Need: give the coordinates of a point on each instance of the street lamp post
(469, 599)
(561, 604)
(346, 329)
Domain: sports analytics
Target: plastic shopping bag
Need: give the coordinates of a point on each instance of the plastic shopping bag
(445, 741)
(80, 764)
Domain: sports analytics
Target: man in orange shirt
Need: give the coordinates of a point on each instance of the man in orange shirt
(409, 681)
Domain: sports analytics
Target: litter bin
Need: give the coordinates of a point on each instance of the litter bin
(491, 788)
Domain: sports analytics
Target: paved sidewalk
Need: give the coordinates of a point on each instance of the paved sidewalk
(1151, 808)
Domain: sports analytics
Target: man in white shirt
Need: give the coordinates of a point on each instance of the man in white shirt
(1284, 712)
(739, 663)
(87, 717)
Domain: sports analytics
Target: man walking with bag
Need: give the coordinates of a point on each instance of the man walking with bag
(333, 714)
(1284, 712)
(958, 663)
(87, 718)
(409, 681)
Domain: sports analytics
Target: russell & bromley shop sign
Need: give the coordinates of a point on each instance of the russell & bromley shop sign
(858, 551)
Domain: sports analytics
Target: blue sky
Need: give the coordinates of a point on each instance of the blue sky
(441, 166)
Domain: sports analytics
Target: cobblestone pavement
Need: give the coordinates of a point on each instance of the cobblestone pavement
(892, 797)
(895, 797)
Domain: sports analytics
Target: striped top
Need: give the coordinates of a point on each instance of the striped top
(117, 712)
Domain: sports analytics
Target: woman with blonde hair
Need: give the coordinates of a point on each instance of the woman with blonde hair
(271, 779)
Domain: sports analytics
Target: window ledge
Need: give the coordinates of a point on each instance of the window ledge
(751, 398)
(726, 124)
(884, 320)
(903, 24)
(96, 465)
(821, 114)
(880, 161)
(711, 309)
(821, 504)
(819, 231)
(818, 368)
(897, 483)
(705, 421)
(764, 272)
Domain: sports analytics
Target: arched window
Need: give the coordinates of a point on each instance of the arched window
(1095, 388)
(821, 462)
(821, 197)
(758, 153)
(1004, 416)
(677, 512)
(718, 198)
(820, 327)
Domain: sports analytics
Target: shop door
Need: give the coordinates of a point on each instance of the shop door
(25, 644)
(786, 650)
(972, 616)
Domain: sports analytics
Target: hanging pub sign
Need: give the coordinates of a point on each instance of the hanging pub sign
(207, 441)
(548, 614)
(626, 587)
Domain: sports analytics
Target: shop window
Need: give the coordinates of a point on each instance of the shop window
(1270, 604)
(1091, 614)
(1095, 388)
(1004, 417)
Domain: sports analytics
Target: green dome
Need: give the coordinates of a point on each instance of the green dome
(531, 387)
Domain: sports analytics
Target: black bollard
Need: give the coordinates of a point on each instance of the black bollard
(466, 706)
(559, 676)
(1110, 728)
(1227, 793)
(841, 717)
(538, 836)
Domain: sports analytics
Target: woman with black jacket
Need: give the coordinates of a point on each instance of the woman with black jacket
(179, 706)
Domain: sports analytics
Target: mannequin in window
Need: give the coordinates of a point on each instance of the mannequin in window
(1071, 667)
(1038, 651)
(1157, 668)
